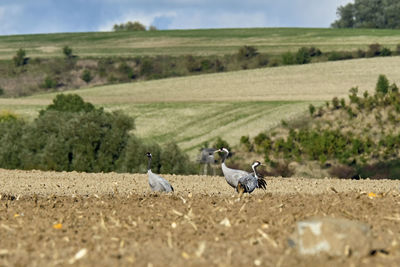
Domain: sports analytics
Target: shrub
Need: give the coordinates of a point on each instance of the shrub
(382, 86)
(386, 52)
(146, 67)
(361, 53)
(262, 60)
(288, 58)
(398, 49)
(1, 91)
(6, 116)
(91, 141)
(192, 64)
(247, 52)
(67, 51)
(129, 26)
(86, 76)
(245, 141)
(314, 52)
(336, 55)
(206, 64)
(335, 103)
(173, 160)
(19, 59)
(303, 56)
(49, 82)
(68, 103)
(11, 143)
(311, 109)
(219, 66)
(374, 50)
(126, 71)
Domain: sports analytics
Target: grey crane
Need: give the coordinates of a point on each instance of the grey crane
(156, 182)
(232, 176)
(248, 183)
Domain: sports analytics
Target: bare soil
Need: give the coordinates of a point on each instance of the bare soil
(64, 219)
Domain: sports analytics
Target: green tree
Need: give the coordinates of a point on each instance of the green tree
(19, 59)
(369, 14)
(382, 86)
(247, 52)
(174, 160)
(303, 56)
(69, 103)
(86, 76)
(67, 51)
(346, 15)
(129, 26)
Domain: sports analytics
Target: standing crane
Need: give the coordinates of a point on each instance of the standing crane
(156, 182)
(232, 176)
(248, 183)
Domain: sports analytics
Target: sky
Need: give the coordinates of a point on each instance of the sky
(49, 16)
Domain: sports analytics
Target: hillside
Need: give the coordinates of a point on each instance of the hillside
(191, 110)
(353, 137)
(197, 42)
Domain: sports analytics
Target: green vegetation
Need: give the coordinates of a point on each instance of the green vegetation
(19, 59)
(217, 42)
(130, 26)
(353, 137)
(73, 135)
(61, 74)
(380, 14)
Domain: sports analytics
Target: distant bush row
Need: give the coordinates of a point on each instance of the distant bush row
(132, 26)
(73, 135)
(66, 73)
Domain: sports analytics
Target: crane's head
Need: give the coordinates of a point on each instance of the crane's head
(148, 154)
(222, 149)
(255, 164)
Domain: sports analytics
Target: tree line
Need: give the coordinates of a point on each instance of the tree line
(380, 14)
(74, 135)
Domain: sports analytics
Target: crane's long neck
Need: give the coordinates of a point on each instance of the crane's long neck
(149, 164)
(255, 171)
(224, 157)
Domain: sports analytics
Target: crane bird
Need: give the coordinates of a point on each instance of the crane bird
(248, 183)
(156, 182)
(232, 176)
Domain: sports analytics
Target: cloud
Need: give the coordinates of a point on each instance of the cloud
(8, 13)
(207, 19)
(41, 16)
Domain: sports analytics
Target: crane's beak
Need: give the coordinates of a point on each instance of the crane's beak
(219, 150)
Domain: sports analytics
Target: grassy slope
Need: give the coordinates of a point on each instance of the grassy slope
(199, 42)
(191, 110)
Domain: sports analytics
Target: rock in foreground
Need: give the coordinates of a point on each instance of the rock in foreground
(333, 236)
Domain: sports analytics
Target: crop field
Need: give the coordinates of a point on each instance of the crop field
(61, 219)
(192, 110)
(196, 42)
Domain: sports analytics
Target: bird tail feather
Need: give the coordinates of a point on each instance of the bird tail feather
(262, 183)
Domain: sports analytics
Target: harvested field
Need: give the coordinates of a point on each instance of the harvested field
(49, 218)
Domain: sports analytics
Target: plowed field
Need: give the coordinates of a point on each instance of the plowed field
(64, 219)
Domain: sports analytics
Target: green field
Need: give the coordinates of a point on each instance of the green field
(192, 110)
(196, 42)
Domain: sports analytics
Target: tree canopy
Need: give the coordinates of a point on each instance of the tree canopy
(380, 14)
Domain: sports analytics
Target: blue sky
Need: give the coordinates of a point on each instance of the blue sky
(48, 16)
